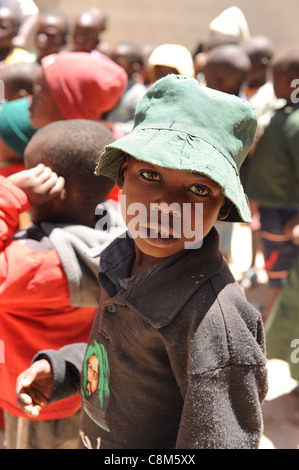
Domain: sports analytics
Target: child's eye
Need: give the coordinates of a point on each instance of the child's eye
(200, 190)
(150, 175)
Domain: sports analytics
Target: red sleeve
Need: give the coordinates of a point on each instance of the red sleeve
(13, 201)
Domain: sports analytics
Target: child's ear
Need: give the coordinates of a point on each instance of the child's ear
(121, 172)
(223, 213)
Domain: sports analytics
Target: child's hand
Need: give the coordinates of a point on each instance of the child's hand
(295, 235)
(40, 183)
(34, 387)
(291, 224)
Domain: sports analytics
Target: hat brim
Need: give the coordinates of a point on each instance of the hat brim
(179, 151)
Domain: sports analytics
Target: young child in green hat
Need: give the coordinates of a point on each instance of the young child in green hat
(175, 358)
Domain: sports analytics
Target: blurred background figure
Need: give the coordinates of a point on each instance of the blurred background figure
(9, 27)
(88, 29)
(170, 58)
(229, 27)
(26, 11)
(258, 90)
(18, 79)
(225, 70)
(130, 57)
(147, 49)
(52, 33)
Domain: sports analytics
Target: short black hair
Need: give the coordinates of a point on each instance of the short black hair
(72, 148)
(287, 60)
(60, 16)
(19, 76)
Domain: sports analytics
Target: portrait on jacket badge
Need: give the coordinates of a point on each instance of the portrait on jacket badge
(96, 383)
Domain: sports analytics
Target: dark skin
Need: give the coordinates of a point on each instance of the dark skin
(51, 198)
(87, 30)
(282, 80)
(43, 109)
(40, 184)
(123, 56)
(50, 36)
(8, 30)
(147, 184)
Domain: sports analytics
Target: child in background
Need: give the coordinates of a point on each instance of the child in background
(89, 26)
(75, 85)
(273, 176)
(9, 25)
(129, 56)
(18, 79)
(52, 33)
(258, 90)
(225, 70)
(176, 354)
(27, 12)
(170, 58)
(49, 286)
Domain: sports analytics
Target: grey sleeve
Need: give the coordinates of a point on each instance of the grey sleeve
(66, 364)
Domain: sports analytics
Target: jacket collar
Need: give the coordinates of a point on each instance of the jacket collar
(169, 285)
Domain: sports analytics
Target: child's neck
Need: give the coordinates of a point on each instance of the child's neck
(142, 262)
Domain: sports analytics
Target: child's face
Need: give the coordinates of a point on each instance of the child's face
(282, 83)
(224, 78)
(121, 55)
(7, 28)
(86, 34)
(147, 186)
(49, 36)
(43, 109)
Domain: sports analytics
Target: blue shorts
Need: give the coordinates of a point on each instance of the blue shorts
(278, 248)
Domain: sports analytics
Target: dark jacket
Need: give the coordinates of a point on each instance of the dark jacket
(180, 354)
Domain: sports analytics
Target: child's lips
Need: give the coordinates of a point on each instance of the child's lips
(158, 235)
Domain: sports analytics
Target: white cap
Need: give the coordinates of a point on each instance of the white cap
(231, 22)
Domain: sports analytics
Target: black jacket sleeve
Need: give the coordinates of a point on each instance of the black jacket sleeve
(66, 364)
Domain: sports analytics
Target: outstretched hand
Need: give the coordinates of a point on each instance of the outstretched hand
(40, 183)
(34, 387)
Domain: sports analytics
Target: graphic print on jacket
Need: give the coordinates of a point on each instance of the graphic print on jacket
(95, 387)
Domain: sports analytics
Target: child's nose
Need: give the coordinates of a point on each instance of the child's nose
(166, 208)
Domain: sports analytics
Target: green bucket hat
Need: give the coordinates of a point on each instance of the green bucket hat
(183, 125)
(15, 127)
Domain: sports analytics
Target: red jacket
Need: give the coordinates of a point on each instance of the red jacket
(35, 310)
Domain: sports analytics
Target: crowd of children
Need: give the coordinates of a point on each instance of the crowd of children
(117, 337)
